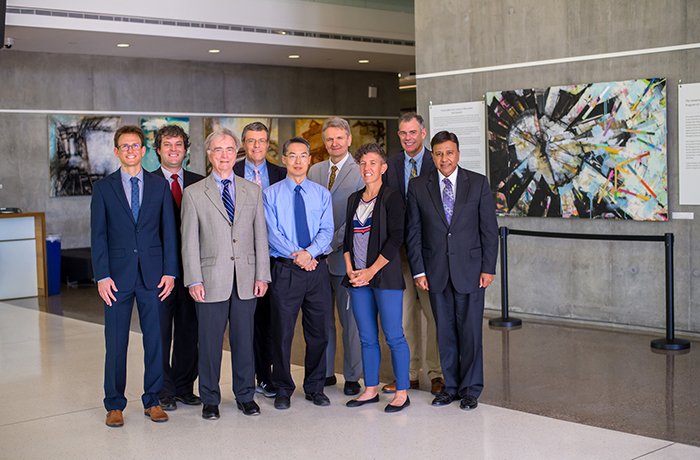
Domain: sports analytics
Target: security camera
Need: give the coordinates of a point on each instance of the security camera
(9, 42)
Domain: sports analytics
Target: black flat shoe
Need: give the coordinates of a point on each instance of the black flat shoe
(248, 408)
(351, 388)
(210, 412)
(282, 402)
(330, 381)
(358, 403)
(318, 398)
(391, 409)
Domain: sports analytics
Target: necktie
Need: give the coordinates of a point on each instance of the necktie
(448, 199)
(414, 171)
(302, 228)
(331, 180)
(177, 191)
(226, 198)
(258, 180)
(135, 205)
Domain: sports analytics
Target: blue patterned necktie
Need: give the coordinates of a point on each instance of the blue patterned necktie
(226, 198)
(302, 228)
(135, 205)
(448, 199)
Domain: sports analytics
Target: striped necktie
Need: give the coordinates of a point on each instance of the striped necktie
(226, 198)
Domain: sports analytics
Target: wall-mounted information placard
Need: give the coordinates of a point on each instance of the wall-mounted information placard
(689, 143)
(468, 121)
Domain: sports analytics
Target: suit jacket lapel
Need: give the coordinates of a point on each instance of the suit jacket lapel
(116, 181)
(211, 190)
(434, 192)
(463, 195)
(400, 173)
(341, 175)
(241, 197)
(148, 193)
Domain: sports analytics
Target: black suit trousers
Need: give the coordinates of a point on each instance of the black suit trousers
(458, 320)
(292, 289)
(263, 340)
(178, 326)
(212, 318)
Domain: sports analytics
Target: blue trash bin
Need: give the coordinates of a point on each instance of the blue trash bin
(53, 263)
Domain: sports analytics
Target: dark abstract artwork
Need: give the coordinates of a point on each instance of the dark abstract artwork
(594, 151)
(81, 151)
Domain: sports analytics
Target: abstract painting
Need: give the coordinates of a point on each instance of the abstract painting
(363, 132)
(594, 151)
(151, 125)
(81, 151)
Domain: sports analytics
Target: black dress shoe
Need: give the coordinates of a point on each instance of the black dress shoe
(358, 403)
(352, 388)
(391, 409)
(330, 381)
(210, 412)
(282, 402)
(189, 399)
(443, 399)
(266, 389)
(168, 403)
(468, 403)
(318, 398)
(248, 408)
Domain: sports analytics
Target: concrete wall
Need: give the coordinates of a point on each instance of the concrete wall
(621, 282)
(36, 81)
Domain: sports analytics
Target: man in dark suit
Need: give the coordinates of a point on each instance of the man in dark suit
(256, 168)
(414, 161)
(134, 255)
(452, 241)
(178, 317)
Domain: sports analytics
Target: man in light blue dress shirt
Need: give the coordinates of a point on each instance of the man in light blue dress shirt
(299, 218)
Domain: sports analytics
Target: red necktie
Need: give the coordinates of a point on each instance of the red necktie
(177, 191)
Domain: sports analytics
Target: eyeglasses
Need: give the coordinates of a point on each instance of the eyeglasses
(220, 150)
(412, 133)
(300, 156)
(254, 141)
(127, 147)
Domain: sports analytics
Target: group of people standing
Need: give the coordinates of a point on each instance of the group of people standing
(250, 245)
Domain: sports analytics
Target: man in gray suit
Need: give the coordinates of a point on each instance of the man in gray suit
(226, 268)
(342, 177)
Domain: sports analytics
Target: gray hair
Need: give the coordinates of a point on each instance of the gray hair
(221, 132)
(336, 122)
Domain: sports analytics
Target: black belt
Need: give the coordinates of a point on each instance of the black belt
(285, 261)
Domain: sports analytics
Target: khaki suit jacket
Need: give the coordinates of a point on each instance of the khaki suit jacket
(213, 250)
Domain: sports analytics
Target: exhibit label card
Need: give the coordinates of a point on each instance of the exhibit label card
(689, 143)
(468, 121)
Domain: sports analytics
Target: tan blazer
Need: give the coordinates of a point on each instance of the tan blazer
(213, 250)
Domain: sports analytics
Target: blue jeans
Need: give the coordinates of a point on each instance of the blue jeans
(366, 303)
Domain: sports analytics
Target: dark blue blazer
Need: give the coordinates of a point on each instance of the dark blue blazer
(120, 246)
(395, 173)
(462, 250)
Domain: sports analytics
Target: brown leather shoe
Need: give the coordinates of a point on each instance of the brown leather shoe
(115, 418)
(156, 413)
(391, 387)
(437, 385)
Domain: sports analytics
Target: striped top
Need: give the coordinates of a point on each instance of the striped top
(362, 225)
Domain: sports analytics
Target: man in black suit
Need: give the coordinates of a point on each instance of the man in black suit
(414, 161)
(256, 168)
(178, 318)
(452, 241)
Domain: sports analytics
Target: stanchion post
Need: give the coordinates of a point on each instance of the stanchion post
(504, 321)
(669, 342)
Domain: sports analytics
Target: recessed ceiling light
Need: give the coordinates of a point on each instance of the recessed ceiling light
(123, 45)
(363, 61)
(399, 75)
(294, 56)
(282, 32)
(214, 51)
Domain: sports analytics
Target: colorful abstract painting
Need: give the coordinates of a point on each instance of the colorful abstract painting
(363, 132)
(151, 125)
(594, 151)
(81, 151)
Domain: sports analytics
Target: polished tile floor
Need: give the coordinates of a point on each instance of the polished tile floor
(627, 402)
